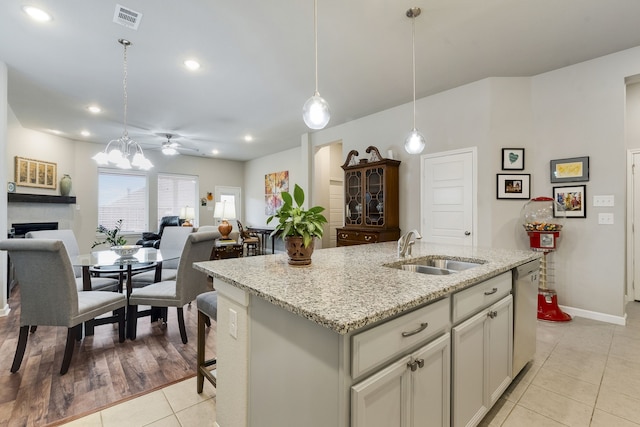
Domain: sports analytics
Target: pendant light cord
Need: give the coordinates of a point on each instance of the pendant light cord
(124, 86)
(315, 38)
(413, 50)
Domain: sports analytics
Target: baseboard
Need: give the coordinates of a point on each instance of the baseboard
(594, 315)
(5, 311)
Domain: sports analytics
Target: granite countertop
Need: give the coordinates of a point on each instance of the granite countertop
(347, 288)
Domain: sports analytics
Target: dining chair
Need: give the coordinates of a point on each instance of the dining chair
(207, 310)
(188, 285)
(173, 240)
(249, 240)
(49, 295)
(71, 245)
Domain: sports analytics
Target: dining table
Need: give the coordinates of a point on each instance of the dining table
(107, 262)
(264, 232)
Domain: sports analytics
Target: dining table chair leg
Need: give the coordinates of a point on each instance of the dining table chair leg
(120, 313)
(22, 345)
(132, 321)
(181, 326)
(72, 334)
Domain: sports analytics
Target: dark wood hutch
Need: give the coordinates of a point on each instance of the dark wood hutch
(371, 199)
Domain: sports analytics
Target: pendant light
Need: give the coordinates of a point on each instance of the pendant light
(315, 111)
(414, 143)
(123, 152)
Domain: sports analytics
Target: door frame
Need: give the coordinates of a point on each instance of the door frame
(474, 185)
(630, 233)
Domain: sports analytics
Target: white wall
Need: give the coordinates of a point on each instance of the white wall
(570, 112)
(4, 307)
(74, 158)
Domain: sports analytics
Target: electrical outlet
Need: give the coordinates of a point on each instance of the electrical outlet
(233, 323)
(605, 218)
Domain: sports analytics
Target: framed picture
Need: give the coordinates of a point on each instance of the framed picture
(516, 186)
(572, 201)
(513, 159)
(570, 170)
(36, 173)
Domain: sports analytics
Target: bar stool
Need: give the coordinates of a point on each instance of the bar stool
(207, 309)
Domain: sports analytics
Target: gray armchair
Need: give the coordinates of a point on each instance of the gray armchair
(71, 245)
(49, 296)
(188, 285)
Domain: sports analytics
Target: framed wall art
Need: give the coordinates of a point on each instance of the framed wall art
(513, 159)
(572, 201)
(570, 170)
(274, 184)
(514, 186)
(36, 173)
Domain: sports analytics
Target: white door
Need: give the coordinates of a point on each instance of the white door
(633, 193)
(449, 197)
(336, 210)
(229, 195)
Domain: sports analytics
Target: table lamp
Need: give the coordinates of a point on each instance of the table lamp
(225, 211)
(187, 213)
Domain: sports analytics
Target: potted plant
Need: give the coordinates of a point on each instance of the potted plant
(112, 237)
(298, 227)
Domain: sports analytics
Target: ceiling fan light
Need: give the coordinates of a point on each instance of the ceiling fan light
(415, 142)
(315, 112)
(169, 151)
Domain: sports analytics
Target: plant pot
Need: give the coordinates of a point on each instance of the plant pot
(298, 254)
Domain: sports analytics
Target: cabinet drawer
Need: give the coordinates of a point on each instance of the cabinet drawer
(471, 300)
(381, 344)
(357, 236)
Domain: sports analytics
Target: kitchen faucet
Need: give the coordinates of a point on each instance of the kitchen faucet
(405, 242)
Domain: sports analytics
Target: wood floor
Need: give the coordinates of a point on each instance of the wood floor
(103, 371)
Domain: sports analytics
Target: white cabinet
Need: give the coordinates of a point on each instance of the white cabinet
(482, 358)
(413, 391)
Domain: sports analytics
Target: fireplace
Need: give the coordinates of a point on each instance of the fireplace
(19, 229)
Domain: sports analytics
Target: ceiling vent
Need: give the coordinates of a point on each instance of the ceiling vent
(127, 17)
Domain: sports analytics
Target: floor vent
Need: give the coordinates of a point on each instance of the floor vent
(127, 17)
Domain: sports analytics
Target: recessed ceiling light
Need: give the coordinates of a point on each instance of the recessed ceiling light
(85, 133)
(248, 138)
(215, 152)
(94, 109)
(192, 64)
(36, 14)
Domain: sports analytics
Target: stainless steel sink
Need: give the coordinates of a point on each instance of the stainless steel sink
(435, 266)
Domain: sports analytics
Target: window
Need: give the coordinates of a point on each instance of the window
(122, 195)
(176, 192)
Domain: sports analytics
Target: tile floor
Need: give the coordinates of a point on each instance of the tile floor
(585, 373)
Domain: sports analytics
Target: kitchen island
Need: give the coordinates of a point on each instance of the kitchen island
(295, 343)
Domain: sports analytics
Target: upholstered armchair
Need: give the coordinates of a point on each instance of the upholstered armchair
(49, 297)
(152, 240)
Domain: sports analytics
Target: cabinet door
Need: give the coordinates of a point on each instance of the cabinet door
(500, 339)
(381, 400)
(470, 353)
(374, 196)
(430, 385)
(353, 197)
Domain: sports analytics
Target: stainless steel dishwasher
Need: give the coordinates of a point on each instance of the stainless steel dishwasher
(525, 313)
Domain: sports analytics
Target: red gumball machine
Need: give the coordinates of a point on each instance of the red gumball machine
(544, 231)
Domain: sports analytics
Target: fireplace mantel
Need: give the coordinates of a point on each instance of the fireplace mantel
(39, 198)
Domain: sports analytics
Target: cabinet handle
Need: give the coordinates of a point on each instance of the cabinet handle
(413, 366)
(492, 291)
(367, 238)
(492, 314)
(420, 363)
(422, 327)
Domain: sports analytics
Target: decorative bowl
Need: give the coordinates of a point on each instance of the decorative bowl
(126, 250)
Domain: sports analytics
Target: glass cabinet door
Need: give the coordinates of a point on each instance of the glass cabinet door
(374, 196)
(353, 198)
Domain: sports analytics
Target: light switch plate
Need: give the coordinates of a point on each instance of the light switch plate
(605, 218)
(606, 200)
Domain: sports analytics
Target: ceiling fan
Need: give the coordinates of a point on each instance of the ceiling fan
(171, 148)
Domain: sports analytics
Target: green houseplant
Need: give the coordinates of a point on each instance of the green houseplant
(111, 237)
(298, 226)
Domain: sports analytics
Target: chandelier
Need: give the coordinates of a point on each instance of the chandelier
(123, 152)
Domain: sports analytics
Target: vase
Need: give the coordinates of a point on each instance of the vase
(65, 185)
(298, 254)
